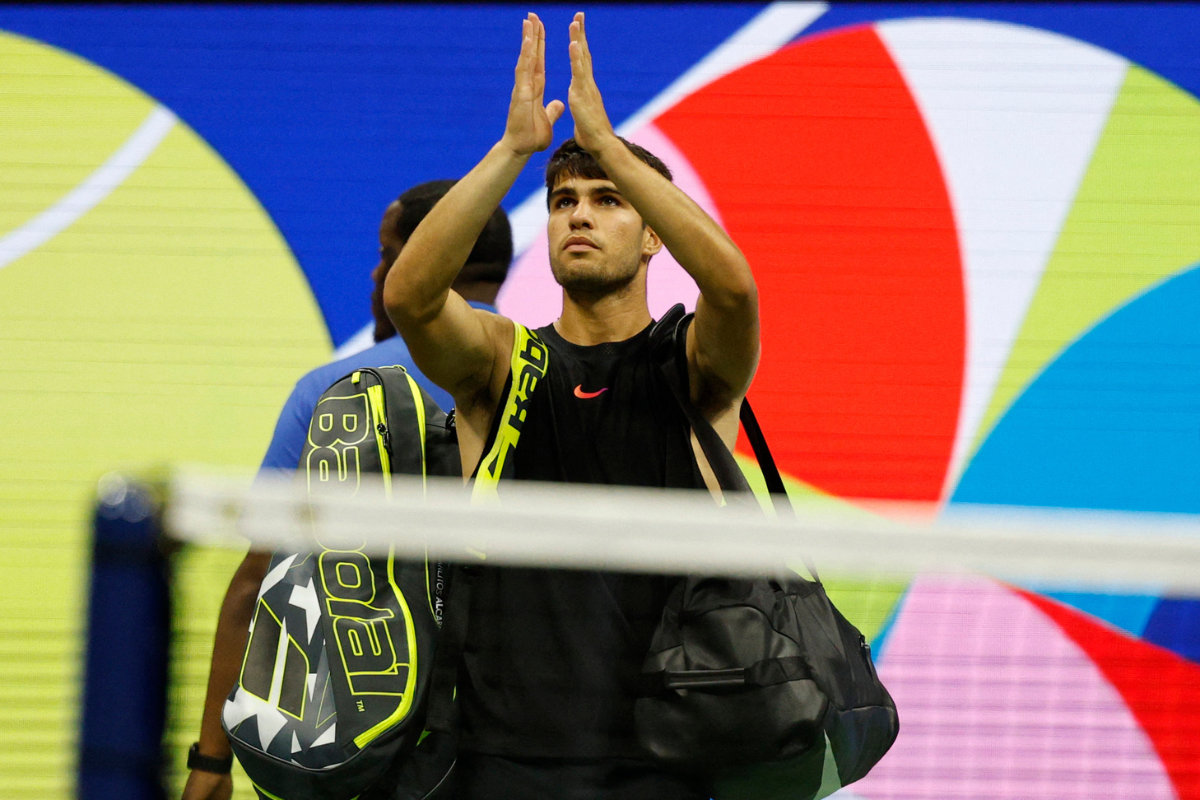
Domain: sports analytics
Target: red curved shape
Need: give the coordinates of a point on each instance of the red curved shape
(1161, 688)
(820, 164)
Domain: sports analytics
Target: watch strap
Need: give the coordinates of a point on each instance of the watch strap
(195, 760)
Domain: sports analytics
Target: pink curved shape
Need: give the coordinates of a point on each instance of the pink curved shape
(530, 295)
(997, 702)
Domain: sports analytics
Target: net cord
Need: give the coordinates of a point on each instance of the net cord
(683, 532)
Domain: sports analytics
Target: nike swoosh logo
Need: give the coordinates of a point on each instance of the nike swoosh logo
(582, 395)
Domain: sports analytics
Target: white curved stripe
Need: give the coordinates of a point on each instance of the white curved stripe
(357, 343)
(1015, 114)
(769, 30)
(88, 194)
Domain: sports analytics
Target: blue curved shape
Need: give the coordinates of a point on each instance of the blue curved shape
(1113, 423)
(1175, 625)
(1128, 612)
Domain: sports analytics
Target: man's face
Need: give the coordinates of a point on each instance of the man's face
(598, 242)
(389, 250)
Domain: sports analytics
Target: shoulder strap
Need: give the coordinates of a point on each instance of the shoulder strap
(527, 368)
(669, 350)
(668, 342)
(766, 461)
(530, 358)
(441, 713)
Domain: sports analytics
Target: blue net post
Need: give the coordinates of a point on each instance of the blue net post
(128, 637)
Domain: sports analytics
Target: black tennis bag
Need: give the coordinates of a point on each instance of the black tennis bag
(332, 692)
(760, 686)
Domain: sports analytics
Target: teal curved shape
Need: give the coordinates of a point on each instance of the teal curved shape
(1113, 423)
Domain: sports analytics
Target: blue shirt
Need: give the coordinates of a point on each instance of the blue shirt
(291, 430)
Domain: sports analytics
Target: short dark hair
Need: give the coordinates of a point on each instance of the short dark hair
(493, 251)
(571, 160)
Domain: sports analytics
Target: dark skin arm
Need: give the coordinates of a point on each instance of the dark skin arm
(233, 625)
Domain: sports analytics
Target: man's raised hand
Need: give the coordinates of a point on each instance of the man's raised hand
(530, 125)
(592, 128)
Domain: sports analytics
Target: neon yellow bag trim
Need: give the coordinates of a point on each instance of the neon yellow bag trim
(379, 412)
(379, 417)
(528, 365)
(406, 702)
(419, 405)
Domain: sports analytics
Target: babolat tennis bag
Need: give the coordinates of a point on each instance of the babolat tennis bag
(330, 699)
(759, 686)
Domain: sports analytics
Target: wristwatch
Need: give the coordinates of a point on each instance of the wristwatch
(220, 766)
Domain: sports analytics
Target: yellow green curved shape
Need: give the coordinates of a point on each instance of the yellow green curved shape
(165, 323)
(1134, 223)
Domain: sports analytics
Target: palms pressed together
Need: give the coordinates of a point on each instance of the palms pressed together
(530, 123)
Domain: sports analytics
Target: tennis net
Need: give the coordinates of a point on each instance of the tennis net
(1032, 652)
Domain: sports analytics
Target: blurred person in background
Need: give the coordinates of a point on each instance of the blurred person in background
(478, 283)
(552, 657)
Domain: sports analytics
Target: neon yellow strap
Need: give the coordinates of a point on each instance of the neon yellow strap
(528, 365)
(419, 405)
(379, 417)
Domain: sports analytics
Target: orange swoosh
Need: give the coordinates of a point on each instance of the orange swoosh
(582, 395)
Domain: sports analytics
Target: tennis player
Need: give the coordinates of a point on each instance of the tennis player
(552, 656)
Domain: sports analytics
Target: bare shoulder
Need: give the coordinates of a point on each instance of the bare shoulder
(719, 375)
(474, 410)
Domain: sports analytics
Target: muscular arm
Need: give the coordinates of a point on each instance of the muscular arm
(463, 350)
(723, 342)
(455, 345)
(233, 625)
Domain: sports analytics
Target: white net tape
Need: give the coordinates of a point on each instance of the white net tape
(572, 526)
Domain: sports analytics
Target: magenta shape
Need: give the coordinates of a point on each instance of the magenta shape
(997, 702)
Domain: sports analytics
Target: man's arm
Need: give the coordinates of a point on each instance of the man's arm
(723, 341)
(233, 626)
(463, 350)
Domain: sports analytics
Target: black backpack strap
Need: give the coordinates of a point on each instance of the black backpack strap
(442, 713)
(528, 364)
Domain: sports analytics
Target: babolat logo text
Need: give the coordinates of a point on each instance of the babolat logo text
(529, 360)
(361, 624)
(533, 367)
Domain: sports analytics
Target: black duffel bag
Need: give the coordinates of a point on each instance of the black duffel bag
(760, 686)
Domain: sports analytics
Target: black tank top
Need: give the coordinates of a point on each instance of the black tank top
(552, 656)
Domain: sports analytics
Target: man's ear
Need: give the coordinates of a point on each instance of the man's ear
(651, 244)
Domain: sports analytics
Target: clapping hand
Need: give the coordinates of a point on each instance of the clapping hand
(592, 128)
(530, 125)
